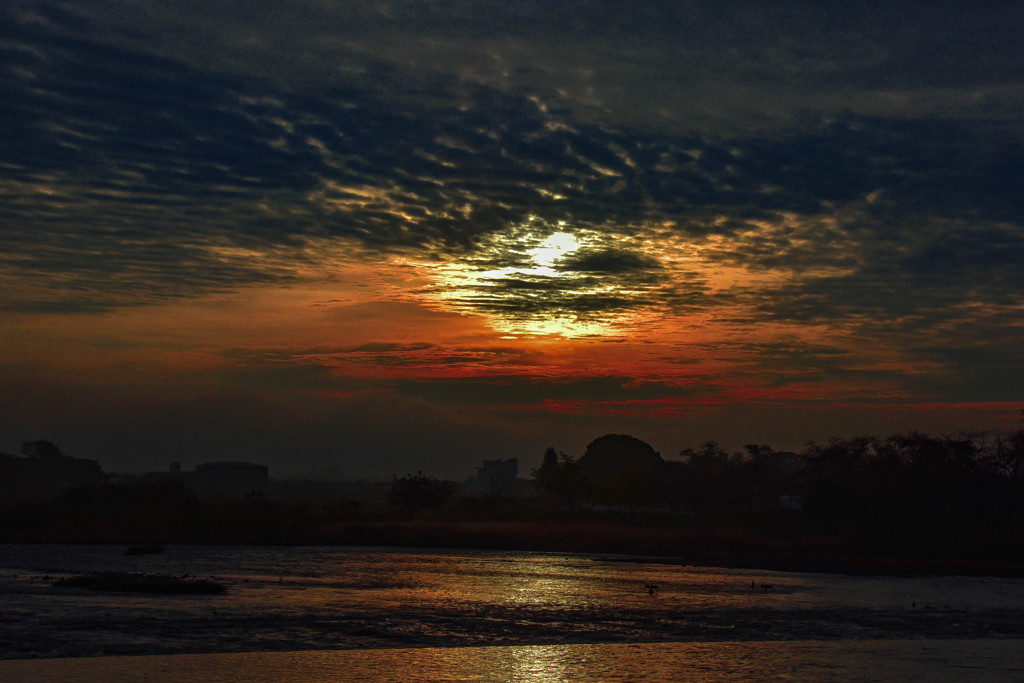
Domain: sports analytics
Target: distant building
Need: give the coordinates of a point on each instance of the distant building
(45, 475)
(495, 478)
(230, 478)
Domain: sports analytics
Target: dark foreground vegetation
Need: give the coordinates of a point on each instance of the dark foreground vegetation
(903, 504)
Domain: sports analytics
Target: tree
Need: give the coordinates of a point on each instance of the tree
(545, 475)
(764, 475)
(41, 449)
(628, 488)
(832, 482)
(416, 492)
(676, 486)
(561, 478)
(609, 455)
(708, 467)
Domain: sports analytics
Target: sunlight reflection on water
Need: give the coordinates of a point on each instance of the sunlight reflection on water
(954, 660)
(323, 598)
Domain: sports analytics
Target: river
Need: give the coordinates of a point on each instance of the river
(495, 616)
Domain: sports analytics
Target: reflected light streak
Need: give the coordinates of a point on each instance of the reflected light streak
(539, 663)
(530, 582)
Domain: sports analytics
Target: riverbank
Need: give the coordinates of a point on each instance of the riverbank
(717, 543)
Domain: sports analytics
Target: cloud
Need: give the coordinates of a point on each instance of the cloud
(609, 261)
(382, 364)
(180, 175)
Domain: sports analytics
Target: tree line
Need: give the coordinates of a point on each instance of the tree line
(911, 477)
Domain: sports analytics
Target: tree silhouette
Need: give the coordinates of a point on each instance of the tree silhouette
(561, 478)
(41, 449)
(629, 489)
(611, 454)
(707, 467)
(418, 492)
(545, 475)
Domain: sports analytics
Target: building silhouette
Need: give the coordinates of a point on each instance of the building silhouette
(221, 478)
(41, 476)
(495, 478)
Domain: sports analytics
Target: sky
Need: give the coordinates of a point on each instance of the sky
(367, 237)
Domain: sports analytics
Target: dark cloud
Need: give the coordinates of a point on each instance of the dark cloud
(157, 165)
(609, 261)
(833, 369)
(387, 347)
(986, 370)
(529, 392)
(383, 355)
(924, 274)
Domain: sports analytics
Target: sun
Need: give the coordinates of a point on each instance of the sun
(553, 249)
(521, 280)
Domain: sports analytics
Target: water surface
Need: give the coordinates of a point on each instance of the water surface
(325, 598)
(872, 660)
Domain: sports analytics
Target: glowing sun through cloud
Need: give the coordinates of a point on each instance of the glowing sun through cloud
(545, 279)
(553, 249)
(573, 280)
